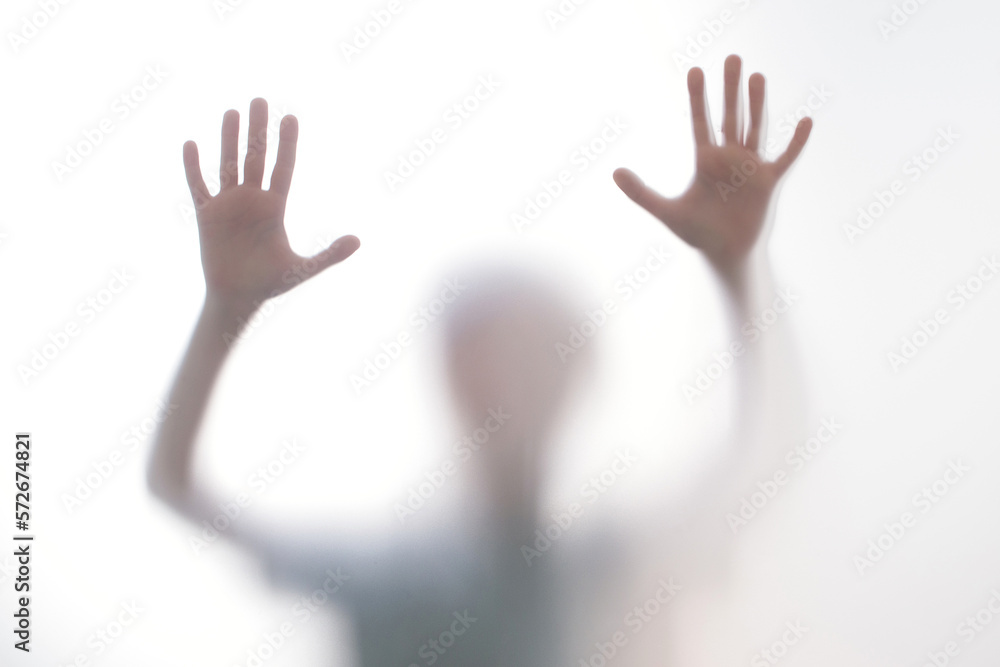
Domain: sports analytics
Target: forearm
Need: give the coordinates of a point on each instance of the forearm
(745, 285)
(768, 391)
(169, 472)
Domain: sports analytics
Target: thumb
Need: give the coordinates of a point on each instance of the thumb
(335, 253)
(655, 203)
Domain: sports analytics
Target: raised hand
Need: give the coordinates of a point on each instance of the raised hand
(724, 210)
(244, 248)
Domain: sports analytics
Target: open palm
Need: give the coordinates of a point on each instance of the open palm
(244, 247)
(727, 203)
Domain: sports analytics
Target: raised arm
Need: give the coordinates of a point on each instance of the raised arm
(726, 213)
(246, 259)
(727, 210)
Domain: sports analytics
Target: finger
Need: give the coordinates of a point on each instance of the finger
(758, 113)
(288, 136)
(253, 165)
(703, 135)
(337, 252)
(192, 169)
(795, 146)
(655, 203)
(229, 167)
(732, 117)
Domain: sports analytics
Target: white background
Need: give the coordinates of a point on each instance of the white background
(125, 209)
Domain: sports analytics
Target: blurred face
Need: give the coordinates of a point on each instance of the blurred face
(502, 354)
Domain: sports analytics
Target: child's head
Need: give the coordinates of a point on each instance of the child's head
(501, 339)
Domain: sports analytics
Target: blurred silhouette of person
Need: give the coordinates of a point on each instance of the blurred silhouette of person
(462, 592)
